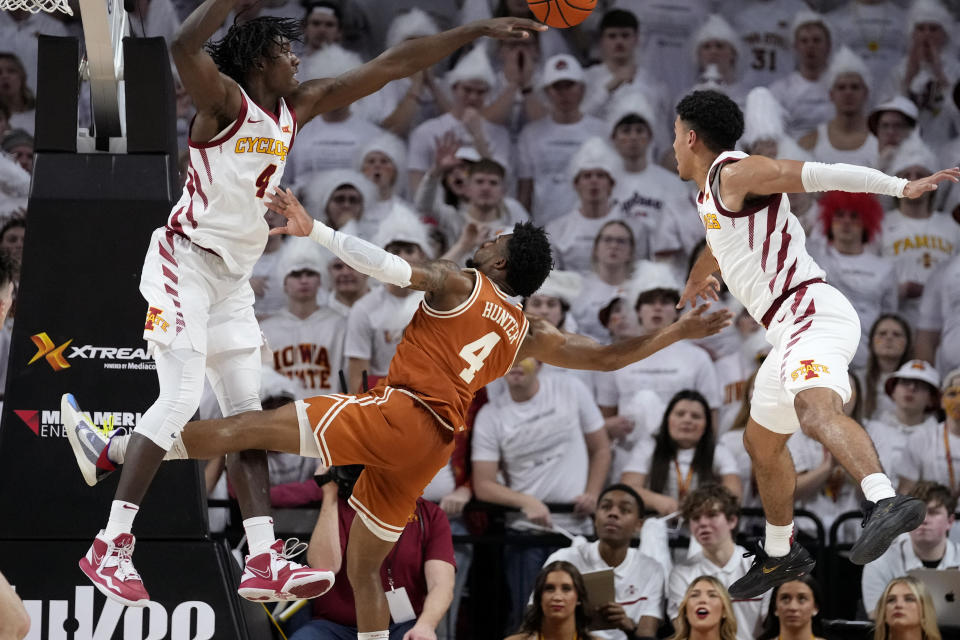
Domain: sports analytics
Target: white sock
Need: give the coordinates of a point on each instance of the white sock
(374, 635)
(876, 487)
(117, 449)
(260, 534)
(777, 539)
(121, 519)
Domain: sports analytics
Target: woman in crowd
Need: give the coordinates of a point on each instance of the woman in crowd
(15, 93)
(706, 612)
(614, 253)
(559, 609)
(732, 440)
(794, 612)
(905, 612)
(683, 456)
(890, 345)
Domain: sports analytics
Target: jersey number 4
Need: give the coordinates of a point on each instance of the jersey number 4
(263, 180)
(476, 352)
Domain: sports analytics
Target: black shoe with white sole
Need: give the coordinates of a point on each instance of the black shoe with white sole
(767, 571)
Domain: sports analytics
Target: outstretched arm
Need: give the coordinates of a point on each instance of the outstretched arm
(216, 96)
(573, 351)
(444, 282)
(318, 96)
(760, 176)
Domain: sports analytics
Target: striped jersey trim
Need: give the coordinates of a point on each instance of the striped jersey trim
(378, 527)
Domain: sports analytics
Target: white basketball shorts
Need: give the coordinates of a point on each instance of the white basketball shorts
(193, 301)
(814, 334)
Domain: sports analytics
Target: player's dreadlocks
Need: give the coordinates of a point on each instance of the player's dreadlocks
(248, 44)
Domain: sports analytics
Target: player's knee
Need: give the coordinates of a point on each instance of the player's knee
(814, 411)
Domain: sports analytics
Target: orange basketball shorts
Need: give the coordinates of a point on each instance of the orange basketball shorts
(399, 442)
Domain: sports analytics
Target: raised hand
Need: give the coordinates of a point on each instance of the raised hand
(696, 323)
(508, 28)
(695, 289)
(916, 188)
(299, 222)
(445, 155)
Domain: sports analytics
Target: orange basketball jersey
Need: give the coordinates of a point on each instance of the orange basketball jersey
(446, 356)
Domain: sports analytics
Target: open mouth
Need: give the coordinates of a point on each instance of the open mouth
(702, 612)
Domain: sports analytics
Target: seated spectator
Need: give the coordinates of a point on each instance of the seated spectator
(470, 83)
(683, 456)
(845, 137)
(321, 27)
(718, 59)
(850, 222)
(334, 139)
(518, 101)
(803, 93)
(16, 94)
(652, 200)
(421, 564)
(892, 122)
(14, 182)
(11, 237)
(890, 345)
(711, 513)
(612, 260)
(914, 389)
(638, 579)
(18, 145)
(547, 143)
(305, 338)
(927, 73)
(19, 30)
(706, 612)
(905, 611)
(823, 486)
(376, 322)
(339, 199)
(926, 546)
(266, 283)
(794, 611)
(932, 452)
(383, 161)
(682, 365)
(346, 285)
(443, 190)
(915, 237)
(622, 70)
(938, 325)
(546, 437)
(593, 171)
(559, 608)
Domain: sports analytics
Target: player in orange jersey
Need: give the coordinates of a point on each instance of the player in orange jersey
(465, 334)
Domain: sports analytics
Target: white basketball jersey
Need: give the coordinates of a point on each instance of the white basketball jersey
(760, 249)
(221, 208)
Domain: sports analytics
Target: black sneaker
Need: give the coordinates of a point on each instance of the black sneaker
(767, 572)
(882, 522)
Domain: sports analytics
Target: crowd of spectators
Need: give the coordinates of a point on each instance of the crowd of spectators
(573, 129)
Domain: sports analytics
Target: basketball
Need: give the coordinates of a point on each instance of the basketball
(561, 14)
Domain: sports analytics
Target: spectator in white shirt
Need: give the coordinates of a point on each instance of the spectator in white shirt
(346, 285)
(518, 102)
(545, 144)
(683, 456)
(927, 546)
(321, 27)
(377, 321)
(766, 36)
(305, 338)
(546, 437)
(933, 452)
(470, 82)
(890, 345)
(804, 93)
(340, 199)
(845, 137)
(938, 328)
(638, 579)
(914, 389)
(614, 253)
(850, 222)
(383, 161)
(593, 170)
(712, 513)
(706, 612)
(906, 611)
(718, 57)
(15, 92)
(915, 236)
(892, 122)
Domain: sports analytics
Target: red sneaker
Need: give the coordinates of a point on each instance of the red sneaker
(109, 566)
(272, 576)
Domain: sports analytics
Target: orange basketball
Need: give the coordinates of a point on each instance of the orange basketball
(561, 14)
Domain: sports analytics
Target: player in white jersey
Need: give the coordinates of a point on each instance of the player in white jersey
(200, 305)
(758, 245)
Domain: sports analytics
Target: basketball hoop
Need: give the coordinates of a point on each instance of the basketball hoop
(36, 6)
